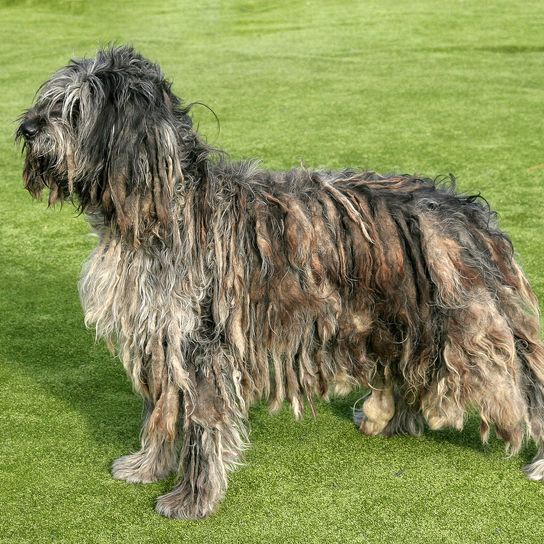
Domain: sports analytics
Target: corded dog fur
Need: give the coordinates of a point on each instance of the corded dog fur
(222, 283)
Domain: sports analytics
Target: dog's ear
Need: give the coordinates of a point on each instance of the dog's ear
(131, 149)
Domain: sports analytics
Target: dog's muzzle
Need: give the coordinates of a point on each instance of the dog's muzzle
(29, 129)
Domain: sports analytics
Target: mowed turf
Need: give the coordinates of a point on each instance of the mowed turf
(416, 87)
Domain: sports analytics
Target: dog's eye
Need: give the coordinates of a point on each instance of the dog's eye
(73, 113)
(56, 110)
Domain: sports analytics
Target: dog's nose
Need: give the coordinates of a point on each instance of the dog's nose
(29, 129)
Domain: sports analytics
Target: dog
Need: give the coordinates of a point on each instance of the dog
(221, 283)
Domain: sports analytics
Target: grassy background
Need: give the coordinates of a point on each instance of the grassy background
(422, 86)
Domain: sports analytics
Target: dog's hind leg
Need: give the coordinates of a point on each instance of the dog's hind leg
(377, 411)
(531, 355)
(214, 437)
(408, 419)
(481, 367)
(156, 459)
(387, 413)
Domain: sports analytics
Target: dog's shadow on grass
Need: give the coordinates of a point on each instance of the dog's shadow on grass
(468, 437)
(44, 338)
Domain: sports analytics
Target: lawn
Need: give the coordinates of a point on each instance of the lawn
(424, 86)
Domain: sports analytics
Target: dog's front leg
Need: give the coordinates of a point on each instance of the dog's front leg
(214, 437)
(156, 458)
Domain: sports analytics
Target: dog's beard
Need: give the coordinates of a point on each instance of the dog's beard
(45, 171)
(49, 162)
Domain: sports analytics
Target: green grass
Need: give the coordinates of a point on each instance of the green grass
(422, 86)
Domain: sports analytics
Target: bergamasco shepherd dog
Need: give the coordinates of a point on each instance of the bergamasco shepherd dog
(221, 283)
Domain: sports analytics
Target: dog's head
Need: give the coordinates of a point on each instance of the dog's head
(109, 132)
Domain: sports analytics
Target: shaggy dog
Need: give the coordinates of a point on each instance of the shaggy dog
(222, 283)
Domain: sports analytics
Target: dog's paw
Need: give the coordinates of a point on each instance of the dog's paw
(137, 468)
(181, 504)
(535, 471)
(365, 425)
(372, 428)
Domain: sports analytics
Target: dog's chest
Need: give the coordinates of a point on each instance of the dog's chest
(129, 291)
